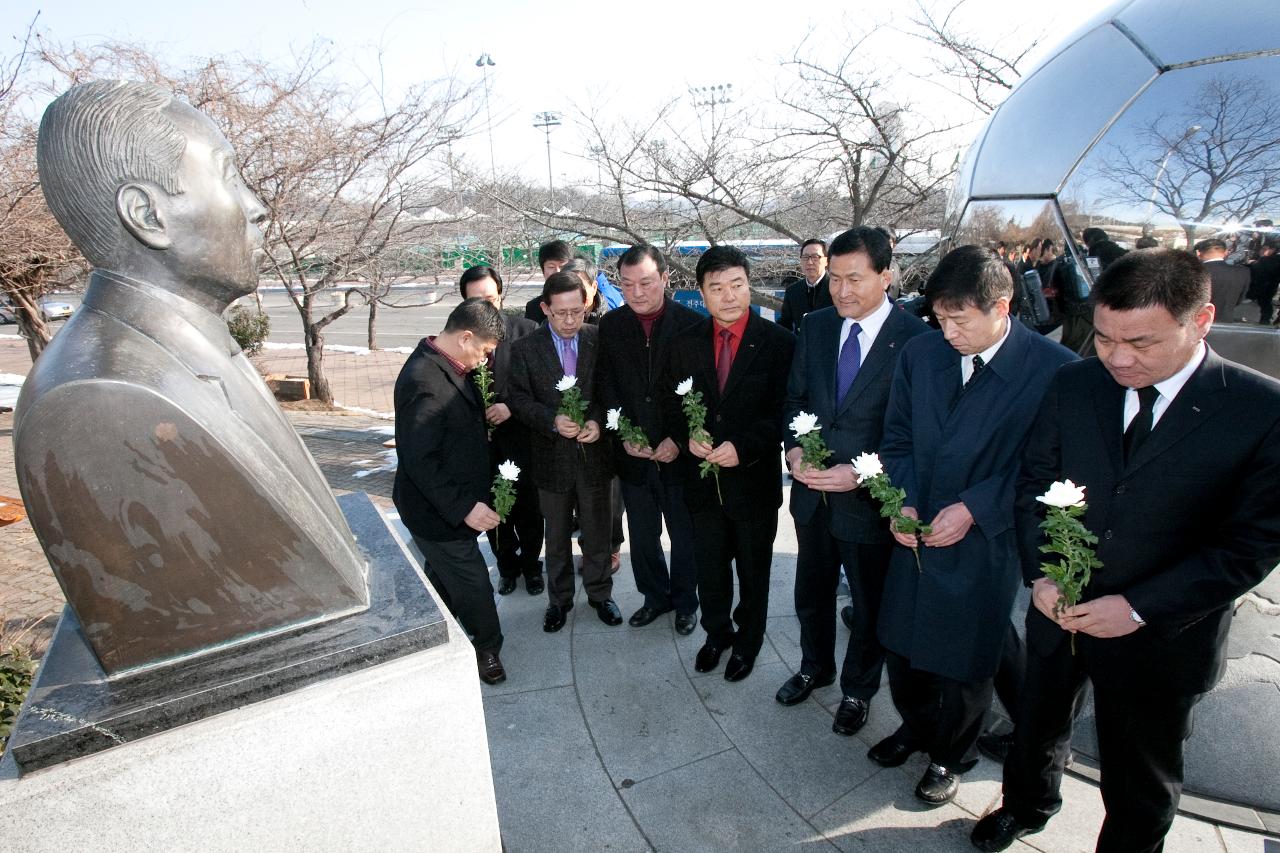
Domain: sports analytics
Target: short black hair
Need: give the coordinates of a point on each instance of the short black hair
(968, 275)
(562, 282)
(873, 241)
(1093, 235)
(719, 258)
(1172, 279)
(556, 250)
(814, 241)
(1210, 244)
(478, 273)
(477, 316)
(635, 256)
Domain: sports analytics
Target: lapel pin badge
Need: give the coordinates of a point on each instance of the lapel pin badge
(1195, 409)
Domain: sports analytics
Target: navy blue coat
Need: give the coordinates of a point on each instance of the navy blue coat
(855, 425)
(942, 444)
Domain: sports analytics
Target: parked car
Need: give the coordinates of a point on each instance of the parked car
(53, 309)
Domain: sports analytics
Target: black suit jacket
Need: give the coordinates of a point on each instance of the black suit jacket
(442, 445)
(1189, 525)
(854, 426)
(631, 374)
(510, 439)
(532, 395)
(1229, 284)
(749, 414)
(795, 301)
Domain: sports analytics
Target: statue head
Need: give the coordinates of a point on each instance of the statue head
(147, 186)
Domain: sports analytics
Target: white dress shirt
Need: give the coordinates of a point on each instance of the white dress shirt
(1168, 389)
(966, 361)
(869, 326)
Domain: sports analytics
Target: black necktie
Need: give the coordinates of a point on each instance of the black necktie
(978, 364)
(1140, 426)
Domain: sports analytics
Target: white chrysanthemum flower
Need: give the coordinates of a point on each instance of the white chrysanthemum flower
(1063, 494)
(867, 465)
(804, 423)
(611, 418)
(566, 382)
(685, 387)
(509, 470)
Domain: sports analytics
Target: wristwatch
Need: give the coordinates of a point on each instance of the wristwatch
(1133, 614)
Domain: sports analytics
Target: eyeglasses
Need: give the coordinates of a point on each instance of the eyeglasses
(812, 257)
(569, 315)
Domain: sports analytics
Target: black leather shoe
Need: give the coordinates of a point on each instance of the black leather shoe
(491, 671)
(554, 618)
(846, 616)
(893, 751)
(534, 584)
(938, 786)
(645, 615)
(998, 830)
(850, 716)
(797, 688)
(506, 586)
(708, 657)
(608, 611)
(738, 668)
(685, 623)
(996, 747)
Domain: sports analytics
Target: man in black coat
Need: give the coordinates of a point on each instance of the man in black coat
(442, 485)
(634, 343)
(516, 542)
(809, 292)
(841, 374)
(739, 364)
(1228, 282)
(571, 466)
(1178, 453)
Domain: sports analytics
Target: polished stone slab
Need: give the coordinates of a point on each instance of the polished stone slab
(74, 710)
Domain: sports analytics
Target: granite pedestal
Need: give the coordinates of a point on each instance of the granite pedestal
(363, 736)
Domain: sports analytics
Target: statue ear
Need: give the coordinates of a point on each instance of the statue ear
(140, 215)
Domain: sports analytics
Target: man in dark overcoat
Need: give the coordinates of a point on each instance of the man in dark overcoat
(963, 400)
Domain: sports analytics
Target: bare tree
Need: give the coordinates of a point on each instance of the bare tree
(341, 168)
(35, 254)
(1215, 159)
(985, 69)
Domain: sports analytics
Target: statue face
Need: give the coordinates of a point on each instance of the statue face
(216, 244)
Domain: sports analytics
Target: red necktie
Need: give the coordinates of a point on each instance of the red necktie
(725, 361)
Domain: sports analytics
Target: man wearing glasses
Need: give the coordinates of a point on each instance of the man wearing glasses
(811, 291)
(571, 466)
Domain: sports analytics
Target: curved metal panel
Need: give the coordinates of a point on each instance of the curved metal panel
(1039, 133)
(1179, 31)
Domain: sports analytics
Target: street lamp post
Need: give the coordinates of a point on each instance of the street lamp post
(711, 97)
(545, 121)
(1164, 162)
(484, 63)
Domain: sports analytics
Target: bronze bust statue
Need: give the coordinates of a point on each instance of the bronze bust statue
(177, 506)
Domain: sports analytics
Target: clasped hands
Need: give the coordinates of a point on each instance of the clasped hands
(585, 434)
(838, 478)
(949, 526)
(724, 454)
(1103, 617)
(666, 451)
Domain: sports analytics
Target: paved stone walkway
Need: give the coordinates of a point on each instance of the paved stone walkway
(606, 739)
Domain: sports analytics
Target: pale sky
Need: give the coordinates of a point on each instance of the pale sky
(549, 56)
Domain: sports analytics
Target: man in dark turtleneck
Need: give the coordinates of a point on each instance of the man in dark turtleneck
(634, 343)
